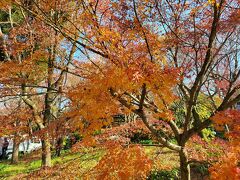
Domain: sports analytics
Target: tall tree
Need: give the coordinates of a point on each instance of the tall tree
(36, 50)
(145, 49)
(14, 121)
(143, 56)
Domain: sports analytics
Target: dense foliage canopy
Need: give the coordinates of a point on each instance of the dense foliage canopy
(74, 66)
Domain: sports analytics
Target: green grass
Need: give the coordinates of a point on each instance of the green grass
(82, 162)
(7, 170)
(10, 170)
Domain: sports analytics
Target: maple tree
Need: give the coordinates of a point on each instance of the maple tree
(15, 124)
(150, 48)
(138, 57)
(228, 165)
(29, 73)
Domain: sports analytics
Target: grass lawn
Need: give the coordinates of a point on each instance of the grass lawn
(77, 164)
(27, 164)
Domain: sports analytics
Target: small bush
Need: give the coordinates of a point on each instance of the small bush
(139, 136)
(146, 142)
(164, 175)
(201, 169)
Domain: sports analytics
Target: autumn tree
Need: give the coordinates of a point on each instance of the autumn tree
(227, 167)
(15, 119)
(144, 55)
(36, 71)
(207, 54)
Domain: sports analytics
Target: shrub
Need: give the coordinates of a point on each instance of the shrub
(164, 175)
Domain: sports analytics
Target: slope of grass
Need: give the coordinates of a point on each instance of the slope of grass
(8, 170)
(77, 164)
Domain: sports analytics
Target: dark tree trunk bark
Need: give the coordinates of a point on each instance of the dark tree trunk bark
(184, 165)
(46, 151)
(15, 154)
(59, 146)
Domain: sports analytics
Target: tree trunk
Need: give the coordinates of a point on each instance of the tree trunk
(15, 153)
(184, 166)
(59, 146)
(46, 151)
